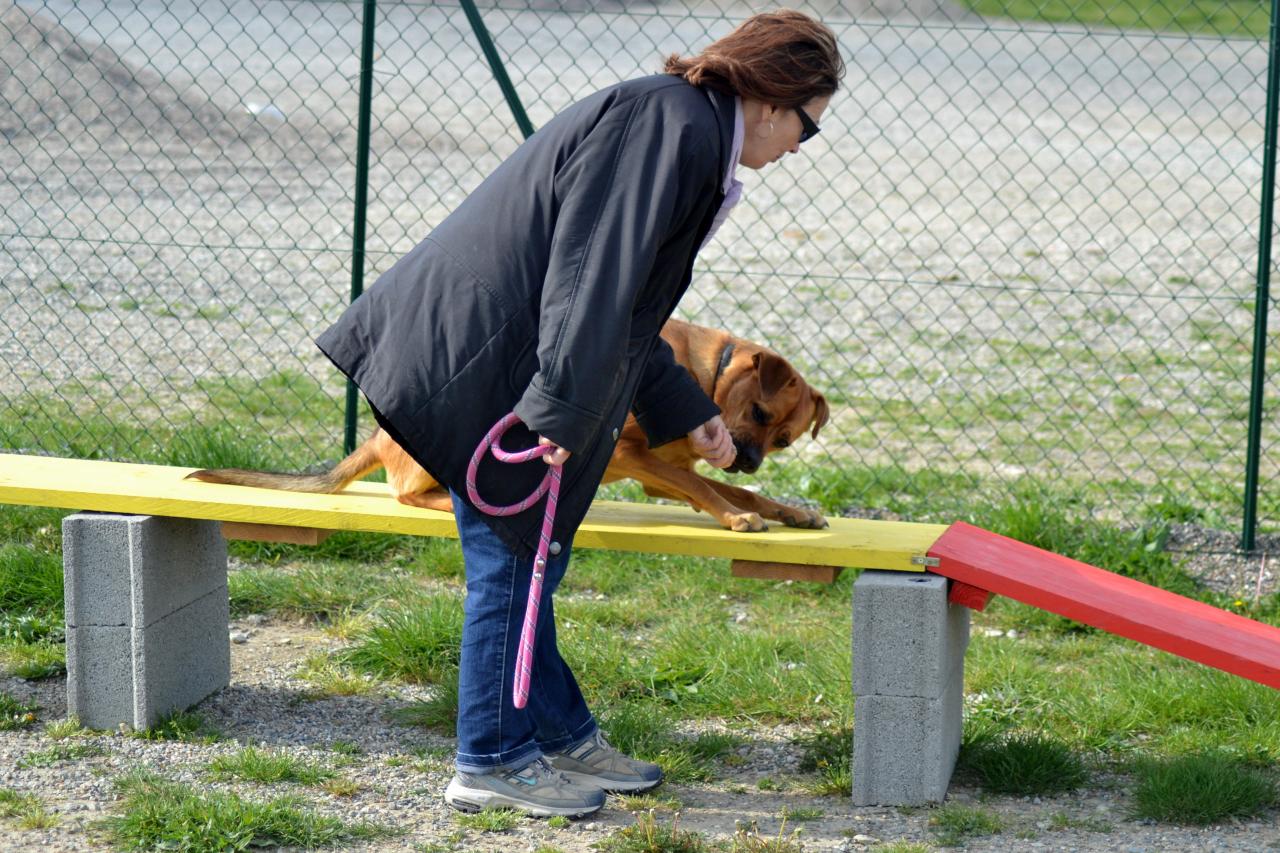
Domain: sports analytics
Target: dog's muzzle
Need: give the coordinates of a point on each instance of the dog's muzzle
(748, 459)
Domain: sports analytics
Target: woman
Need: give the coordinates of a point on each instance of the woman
(543, 293)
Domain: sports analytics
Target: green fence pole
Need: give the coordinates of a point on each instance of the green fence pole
(1263, 297)
(495, 64)
(362, 195)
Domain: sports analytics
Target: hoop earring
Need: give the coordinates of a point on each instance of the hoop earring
(764, 135)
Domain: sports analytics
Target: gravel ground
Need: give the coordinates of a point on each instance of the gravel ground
(269, 706)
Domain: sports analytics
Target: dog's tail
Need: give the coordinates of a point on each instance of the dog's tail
(362, 461)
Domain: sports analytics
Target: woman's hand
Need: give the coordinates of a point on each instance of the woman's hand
(713, 443)
(558, 456)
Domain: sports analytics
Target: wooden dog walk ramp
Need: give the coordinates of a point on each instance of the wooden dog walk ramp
(992, 563)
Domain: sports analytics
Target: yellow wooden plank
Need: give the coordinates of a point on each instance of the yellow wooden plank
(161, 490)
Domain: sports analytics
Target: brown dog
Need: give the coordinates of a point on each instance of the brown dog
(765, 404)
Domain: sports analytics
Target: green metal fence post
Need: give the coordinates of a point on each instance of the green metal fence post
(362, 195)
(495, 64)
(1263, 296)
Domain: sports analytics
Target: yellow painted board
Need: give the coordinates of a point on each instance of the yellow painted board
(665, 529)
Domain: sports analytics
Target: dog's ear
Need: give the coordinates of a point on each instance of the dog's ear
(821, 414)
(774, 372)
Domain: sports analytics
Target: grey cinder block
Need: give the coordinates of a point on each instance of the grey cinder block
(908, 679)
(905, 747)
(909, 640)
(147, 614)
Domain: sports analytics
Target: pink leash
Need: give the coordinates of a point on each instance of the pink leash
(550, 486)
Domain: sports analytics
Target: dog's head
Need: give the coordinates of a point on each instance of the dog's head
(765, 403)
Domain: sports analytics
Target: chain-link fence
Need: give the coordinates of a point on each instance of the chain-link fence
(1021, 246)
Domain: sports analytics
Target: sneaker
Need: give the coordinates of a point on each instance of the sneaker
(535, 788)
(595, 762)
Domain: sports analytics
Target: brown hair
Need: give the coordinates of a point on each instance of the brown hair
(783, 58)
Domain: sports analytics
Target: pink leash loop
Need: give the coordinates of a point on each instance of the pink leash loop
(550, 486)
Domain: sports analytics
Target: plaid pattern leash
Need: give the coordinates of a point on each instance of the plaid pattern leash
(550, 486)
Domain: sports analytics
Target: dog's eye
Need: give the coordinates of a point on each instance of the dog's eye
(759, 415)
(781, 443)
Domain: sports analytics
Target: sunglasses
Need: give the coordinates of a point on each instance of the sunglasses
(810, 129)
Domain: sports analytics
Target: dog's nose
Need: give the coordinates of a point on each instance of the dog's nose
(748, 459)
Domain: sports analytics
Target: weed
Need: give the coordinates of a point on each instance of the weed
(67, 727)
(1200, 789)
(267, 766)
(156, 813)
(1022, 764)
(559, 822)
(490, 820)
(186, 726)
(649, 803)
(829, 754)
(954, 823)
(749, 840)
(418, 643)
(61, 752)
(1062, 820)
(647, 835)
(15, 714)
(27, 811)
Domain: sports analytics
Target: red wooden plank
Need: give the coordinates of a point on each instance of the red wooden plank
(1109, 601)
(970, 596)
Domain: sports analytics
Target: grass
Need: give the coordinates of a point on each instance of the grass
(490, 820)
(1221, 17)
(649, 835)
(1201, 789)
(953, 824)
(60, 752)
(1022, 764)
(156, 813)
(15, 714)
(184, 726)
(252, 764)
(25, 811)
(828, 753)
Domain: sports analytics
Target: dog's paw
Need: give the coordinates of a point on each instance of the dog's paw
(745, 522)
(806, 518)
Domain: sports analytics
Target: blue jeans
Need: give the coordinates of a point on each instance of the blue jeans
(492, 733)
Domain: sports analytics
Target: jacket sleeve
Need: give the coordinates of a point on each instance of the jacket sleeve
(618, 195)
(669, 403)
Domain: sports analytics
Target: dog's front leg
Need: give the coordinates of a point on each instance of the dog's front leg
(658, 476)
(791, 516)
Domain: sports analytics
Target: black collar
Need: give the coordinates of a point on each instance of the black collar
(726, 113)
(725, 358)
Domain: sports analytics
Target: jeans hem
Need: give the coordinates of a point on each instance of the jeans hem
(511, 760)
(572, 739)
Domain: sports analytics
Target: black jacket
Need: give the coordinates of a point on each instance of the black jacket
(544, 292)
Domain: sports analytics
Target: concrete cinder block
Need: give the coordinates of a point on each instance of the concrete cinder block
(905, 747)
(100, 680)
(147, 615)
(135, 569)
(908, 639)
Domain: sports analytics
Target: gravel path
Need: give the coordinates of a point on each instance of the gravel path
(401, 773)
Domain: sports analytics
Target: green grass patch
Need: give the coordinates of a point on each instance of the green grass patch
(30, 579)
(490, 820)
(1201, 789)
(953, 824)
(25, 811)
(252, 764)
(15, 714)
(159, 814)
(647, 732)
(649, 835)
(1024, 764)
(1220, 17)
(439, 713)
(60, 752)
(324, 591)
(419, 642)
(184, 726)
(828, 753)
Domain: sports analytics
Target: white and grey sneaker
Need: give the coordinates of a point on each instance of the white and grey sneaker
(595, 762)
(535, 788)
